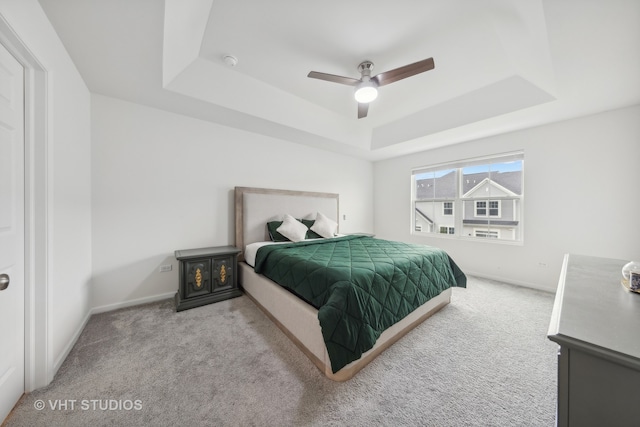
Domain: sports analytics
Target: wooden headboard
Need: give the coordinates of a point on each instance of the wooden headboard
(254, 207)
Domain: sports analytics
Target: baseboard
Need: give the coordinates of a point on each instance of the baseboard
(511, 282)
(67, 349)
(130, 303)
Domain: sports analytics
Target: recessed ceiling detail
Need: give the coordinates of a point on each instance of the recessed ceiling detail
(500, 65)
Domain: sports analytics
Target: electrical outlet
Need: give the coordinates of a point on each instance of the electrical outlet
(165, 268)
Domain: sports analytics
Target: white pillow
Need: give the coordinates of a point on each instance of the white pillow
(292, 229)
(324, 226)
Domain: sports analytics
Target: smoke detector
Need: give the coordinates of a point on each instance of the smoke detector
(230, 60)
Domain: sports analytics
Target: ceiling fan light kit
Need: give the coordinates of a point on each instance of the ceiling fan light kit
(366, 92)
(367, 86)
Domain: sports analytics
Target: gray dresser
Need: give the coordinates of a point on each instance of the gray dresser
(596, 322)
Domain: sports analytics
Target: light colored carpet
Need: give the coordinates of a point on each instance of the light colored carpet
(484, 360)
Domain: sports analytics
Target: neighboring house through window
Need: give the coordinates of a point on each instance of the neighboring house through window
(476, 198)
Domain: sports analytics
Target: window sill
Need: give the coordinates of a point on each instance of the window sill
(469, 239)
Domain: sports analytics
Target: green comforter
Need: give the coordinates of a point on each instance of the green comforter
(360, 285)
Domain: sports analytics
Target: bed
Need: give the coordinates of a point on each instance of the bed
(294, 306)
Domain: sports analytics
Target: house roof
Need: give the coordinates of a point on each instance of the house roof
(444, 187)
(423, 215)
(512, 181)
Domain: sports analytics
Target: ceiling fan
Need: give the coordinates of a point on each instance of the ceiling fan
(367, 86)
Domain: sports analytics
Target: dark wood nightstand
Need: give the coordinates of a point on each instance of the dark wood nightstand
(207, 275)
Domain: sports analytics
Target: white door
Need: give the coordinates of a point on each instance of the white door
(11, 232)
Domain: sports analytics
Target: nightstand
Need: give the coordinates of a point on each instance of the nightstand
(206, 275)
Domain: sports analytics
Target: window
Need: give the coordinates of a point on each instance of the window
(477, 198)
(494, 208)
(447, 208)
(447, 230)
(490, 234)
(481, 208)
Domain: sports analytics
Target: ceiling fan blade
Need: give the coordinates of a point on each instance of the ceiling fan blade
(404, 72)
(333, 78)
(362, 109)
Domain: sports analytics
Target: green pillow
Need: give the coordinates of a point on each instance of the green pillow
(272, 227)
(311, 234)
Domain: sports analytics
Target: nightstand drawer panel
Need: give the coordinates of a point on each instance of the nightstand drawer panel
(223, 273)
(197, 278)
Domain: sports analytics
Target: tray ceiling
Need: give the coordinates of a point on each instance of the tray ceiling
(499, 65)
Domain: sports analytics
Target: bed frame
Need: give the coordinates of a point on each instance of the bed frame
(254, 207)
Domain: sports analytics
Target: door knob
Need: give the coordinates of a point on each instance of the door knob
(4, 281)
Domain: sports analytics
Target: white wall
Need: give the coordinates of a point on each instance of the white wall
(163, 182)
(581, 196)
(68, 177)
